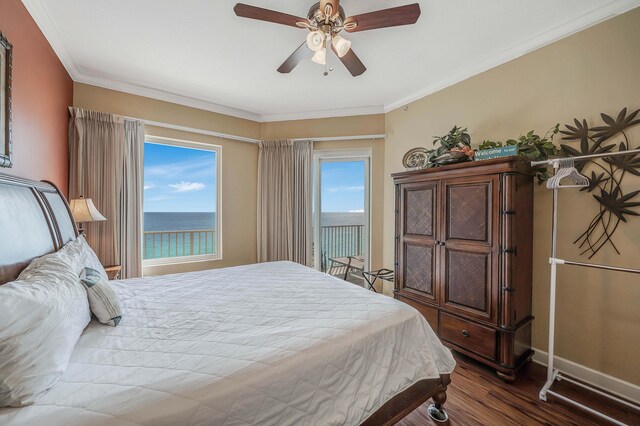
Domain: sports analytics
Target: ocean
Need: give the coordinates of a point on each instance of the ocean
(156, 221)
(184, 234)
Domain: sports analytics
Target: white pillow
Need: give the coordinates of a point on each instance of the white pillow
(79, 255)
(42, 315)
(83, 256)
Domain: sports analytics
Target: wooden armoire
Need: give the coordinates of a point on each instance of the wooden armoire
(464, 256)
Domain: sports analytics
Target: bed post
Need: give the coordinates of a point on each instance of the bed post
(436, 410)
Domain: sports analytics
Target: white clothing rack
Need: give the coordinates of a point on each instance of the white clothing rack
(552, 373)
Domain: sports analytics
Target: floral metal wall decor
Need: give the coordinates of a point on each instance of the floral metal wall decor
(605, 181)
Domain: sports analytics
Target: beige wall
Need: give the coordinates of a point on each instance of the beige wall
(239, 165)
(597, 70)
(325, 127)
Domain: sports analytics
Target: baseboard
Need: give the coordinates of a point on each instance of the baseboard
(588, 375)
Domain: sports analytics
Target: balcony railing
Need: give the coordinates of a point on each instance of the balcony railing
(340, 241)
(164, 244)
(337, 241)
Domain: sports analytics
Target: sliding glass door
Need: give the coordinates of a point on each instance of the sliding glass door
(341, 212)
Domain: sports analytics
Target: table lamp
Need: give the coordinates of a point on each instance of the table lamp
(83, 210)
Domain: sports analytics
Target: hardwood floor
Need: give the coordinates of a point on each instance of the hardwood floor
(477, 396)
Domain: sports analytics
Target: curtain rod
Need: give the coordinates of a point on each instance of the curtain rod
(585, 157)
(246, 139)
(343, 138)
(195, 130)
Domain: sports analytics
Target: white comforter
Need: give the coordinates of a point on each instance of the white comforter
(265, 344)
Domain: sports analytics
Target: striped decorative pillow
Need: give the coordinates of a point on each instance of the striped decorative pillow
(102, 298)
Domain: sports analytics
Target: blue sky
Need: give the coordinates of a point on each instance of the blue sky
(342, 186)
(179, 179)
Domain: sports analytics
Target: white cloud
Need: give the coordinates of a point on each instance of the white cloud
(346, 189)
(204, 167)
(357, 211)
(148, 186)
(187, 186)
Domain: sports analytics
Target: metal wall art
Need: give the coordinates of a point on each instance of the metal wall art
(605, 180)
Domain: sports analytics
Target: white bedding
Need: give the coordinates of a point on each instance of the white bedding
(265, 344)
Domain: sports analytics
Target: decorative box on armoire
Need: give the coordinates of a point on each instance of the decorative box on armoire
(464, 256)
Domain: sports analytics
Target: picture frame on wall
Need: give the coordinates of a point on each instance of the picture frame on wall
(6, 56)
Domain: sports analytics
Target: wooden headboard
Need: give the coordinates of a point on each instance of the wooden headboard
(35, 220)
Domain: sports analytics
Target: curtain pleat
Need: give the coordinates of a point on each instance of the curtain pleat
(302, 202)
(131, 200)
(284, 201)
(101, 165)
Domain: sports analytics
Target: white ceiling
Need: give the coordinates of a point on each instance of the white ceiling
(198, 53)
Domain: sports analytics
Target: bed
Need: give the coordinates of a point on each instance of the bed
(274, 343)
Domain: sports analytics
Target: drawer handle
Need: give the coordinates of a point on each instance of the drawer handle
(465, 333)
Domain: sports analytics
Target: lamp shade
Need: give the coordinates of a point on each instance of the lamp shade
(320, 57)
(83, 210)
(315, 40)
(341, 45)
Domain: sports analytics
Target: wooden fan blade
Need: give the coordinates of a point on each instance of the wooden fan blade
(352, 62)
(396, 16)
(302, 52)
(253, 12)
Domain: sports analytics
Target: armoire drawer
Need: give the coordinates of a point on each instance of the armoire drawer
(429, 313)
(469, 335)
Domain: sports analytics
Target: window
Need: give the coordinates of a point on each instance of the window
(341, 209)
(181, 201)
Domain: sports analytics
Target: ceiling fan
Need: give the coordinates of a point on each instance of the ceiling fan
(325, 20)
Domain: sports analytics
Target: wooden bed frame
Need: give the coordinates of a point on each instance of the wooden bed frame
(35, 220)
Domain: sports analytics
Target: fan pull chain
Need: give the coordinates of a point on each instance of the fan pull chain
(327, 43)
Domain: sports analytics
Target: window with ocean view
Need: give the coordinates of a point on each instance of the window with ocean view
(341, 212)
(181, 201)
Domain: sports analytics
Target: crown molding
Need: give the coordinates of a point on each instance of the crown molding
(162, 95)
(566, 29)
(329, 113)
(41, 15)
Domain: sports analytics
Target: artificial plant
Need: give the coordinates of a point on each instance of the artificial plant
(457, 139)
(532, 146)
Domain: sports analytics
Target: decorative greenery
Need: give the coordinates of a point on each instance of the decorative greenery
(457, 138)
(532, 146)
(615, 205)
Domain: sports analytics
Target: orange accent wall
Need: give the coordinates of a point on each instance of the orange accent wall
(42, 90)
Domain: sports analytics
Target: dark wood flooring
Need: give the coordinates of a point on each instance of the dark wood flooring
(477, 396)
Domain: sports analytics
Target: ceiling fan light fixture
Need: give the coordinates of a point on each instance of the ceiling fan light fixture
(320, 57)
(341, 45)
(315, 40)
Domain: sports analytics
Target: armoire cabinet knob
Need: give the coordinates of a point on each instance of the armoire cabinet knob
(465, 333)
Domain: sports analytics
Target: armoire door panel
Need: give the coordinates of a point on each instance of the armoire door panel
(419, 270)
(468, 211)
(469, 261)
(419, 205)
(468, 277)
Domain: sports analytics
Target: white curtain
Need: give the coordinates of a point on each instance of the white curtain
(284, 201)
(302, 202)
(131, 200)
(105, 161)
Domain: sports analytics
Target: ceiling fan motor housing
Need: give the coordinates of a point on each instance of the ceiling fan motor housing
(318, 18)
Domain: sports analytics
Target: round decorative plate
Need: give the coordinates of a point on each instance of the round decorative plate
(417, 158)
